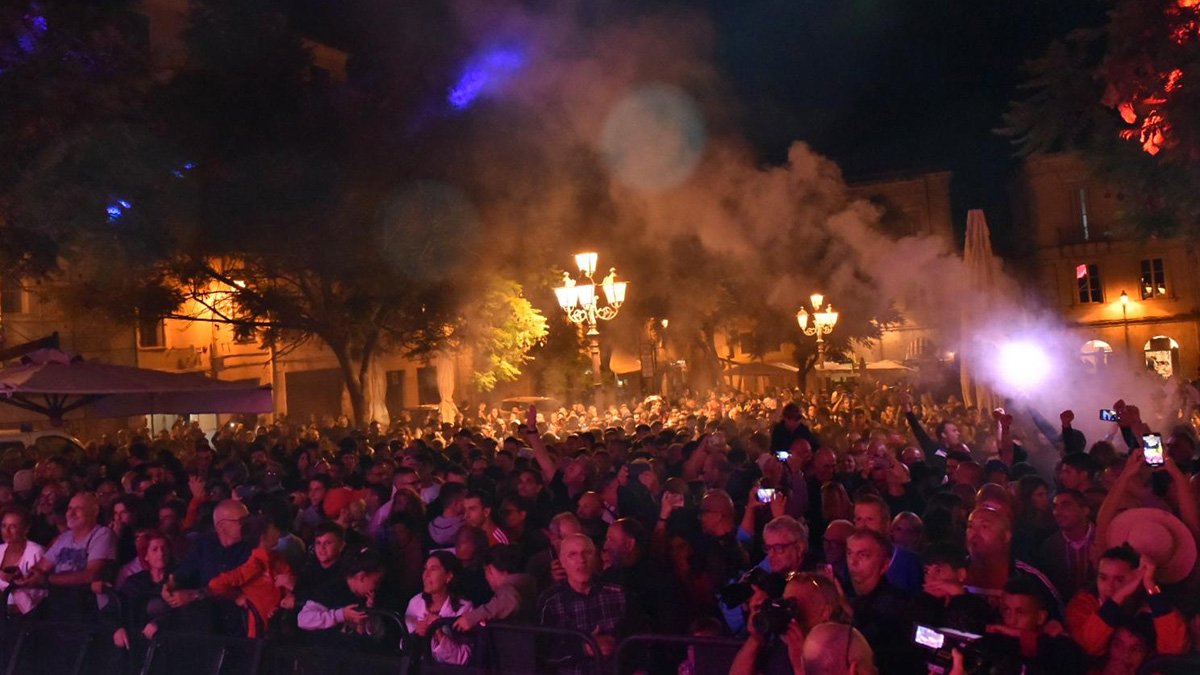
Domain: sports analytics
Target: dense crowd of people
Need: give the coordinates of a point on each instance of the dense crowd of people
(861, 531)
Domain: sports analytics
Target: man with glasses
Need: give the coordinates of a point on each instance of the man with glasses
(785, 542)
(211, 554)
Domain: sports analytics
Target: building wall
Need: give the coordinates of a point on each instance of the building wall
(915, 203)
(1072, 219)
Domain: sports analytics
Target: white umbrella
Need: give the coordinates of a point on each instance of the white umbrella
(983, 275)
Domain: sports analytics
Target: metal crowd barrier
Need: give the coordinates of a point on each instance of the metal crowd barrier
(82, 645)
(664, 653)
(1181, 664)
(389, 655)
(34, 645)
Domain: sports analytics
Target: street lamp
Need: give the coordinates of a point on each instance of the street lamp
(1125, 319)
(822, 324)
(578, 299)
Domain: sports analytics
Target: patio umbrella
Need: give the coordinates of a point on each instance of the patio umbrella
(48, 383)
(983, 275)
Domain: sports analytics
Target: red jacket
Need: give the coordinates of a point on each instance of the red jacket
(255, 579)
(1092, 624)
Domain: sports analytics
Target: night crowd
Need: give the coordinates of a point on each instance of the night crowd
(864, 531)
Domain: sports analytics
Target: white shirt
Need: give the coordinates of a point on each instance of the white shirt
(25, 599)
(446, 649)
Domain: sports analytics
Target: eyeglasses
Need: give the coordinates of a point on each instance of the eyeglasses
(239, 521)
(780, 548)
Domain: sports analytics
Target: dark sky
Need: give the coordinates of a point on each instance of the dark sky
(887, 86)
(881, 86)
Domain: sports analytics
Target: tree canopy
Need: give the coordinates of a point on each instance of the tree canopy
(1125, 97)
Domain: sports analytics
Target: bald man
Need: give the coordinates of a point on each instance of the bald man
(989, 543)
(826, 652)
(211, 554)
(80, 555)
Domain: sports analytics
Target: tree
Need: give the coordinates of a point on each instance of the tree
(1123, 96)
(501, 331)
(241, 193)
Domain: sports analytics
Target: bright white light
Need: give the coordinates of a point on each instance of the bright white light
(1022, 365)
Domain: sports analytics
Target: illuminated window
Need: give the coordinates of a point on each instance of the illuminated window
(1088, 277)
(1154, 279)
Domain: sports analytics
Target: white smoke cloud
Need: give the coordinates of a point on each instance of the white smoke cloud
(786, 230)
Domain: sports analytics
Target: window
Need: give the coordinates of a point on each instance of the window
(427, 386)
(12, 296)
(1088, 277)
(1154, 279)
(1083, 214)
(151, 333)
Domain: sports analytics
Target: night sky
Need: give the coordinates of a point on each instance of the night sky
(887, 86)
(881, 86)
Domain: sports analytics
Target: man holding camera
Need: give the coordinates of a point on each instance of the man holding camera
(785, 541)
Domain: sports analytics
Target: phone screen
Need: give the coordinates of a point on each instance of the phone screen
(766, 495)
(1152, 449)
(783, 455)
(928, 637)
(1107, 415)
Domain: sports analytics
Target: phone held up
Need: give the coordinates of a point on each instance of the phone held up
(1108, 415)
(1152, 449)
(766, 495)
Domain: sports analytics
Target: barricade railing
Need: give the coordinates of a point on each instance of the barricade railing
(31, 644)
(1180, 664)
(496, 649)
(200, 650)
(308, 657)
(657, 653)
(504, 649)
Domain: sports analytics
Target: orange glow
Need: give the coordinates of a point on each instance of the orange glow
(1139, 99)
(1173, 78)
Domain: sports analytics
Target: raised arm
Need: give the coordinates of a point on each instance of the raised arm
(540, 453)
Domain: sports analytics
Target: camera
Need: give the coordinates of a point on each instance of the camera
(772, 618)
(739, 592)
(942, 641)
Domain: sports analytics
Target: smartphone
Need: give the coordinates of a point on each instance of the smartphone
(1152, 449)
(766, 495)
(929, 637)
(1108, 415)
(783, 455)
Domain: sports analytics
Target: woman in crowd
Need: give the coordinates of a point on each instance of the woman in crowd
(439, 599)
(142, 593)
(17, 556)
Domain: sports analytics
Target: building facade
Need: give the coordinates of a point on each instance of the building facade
(1125, 299)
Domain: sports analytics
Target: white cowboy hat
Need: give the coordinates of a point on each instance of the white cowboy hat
(1158, 535)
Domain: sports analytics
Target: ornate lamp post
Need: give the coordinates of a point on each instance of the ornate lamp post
(822, 325)
(579, 300)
